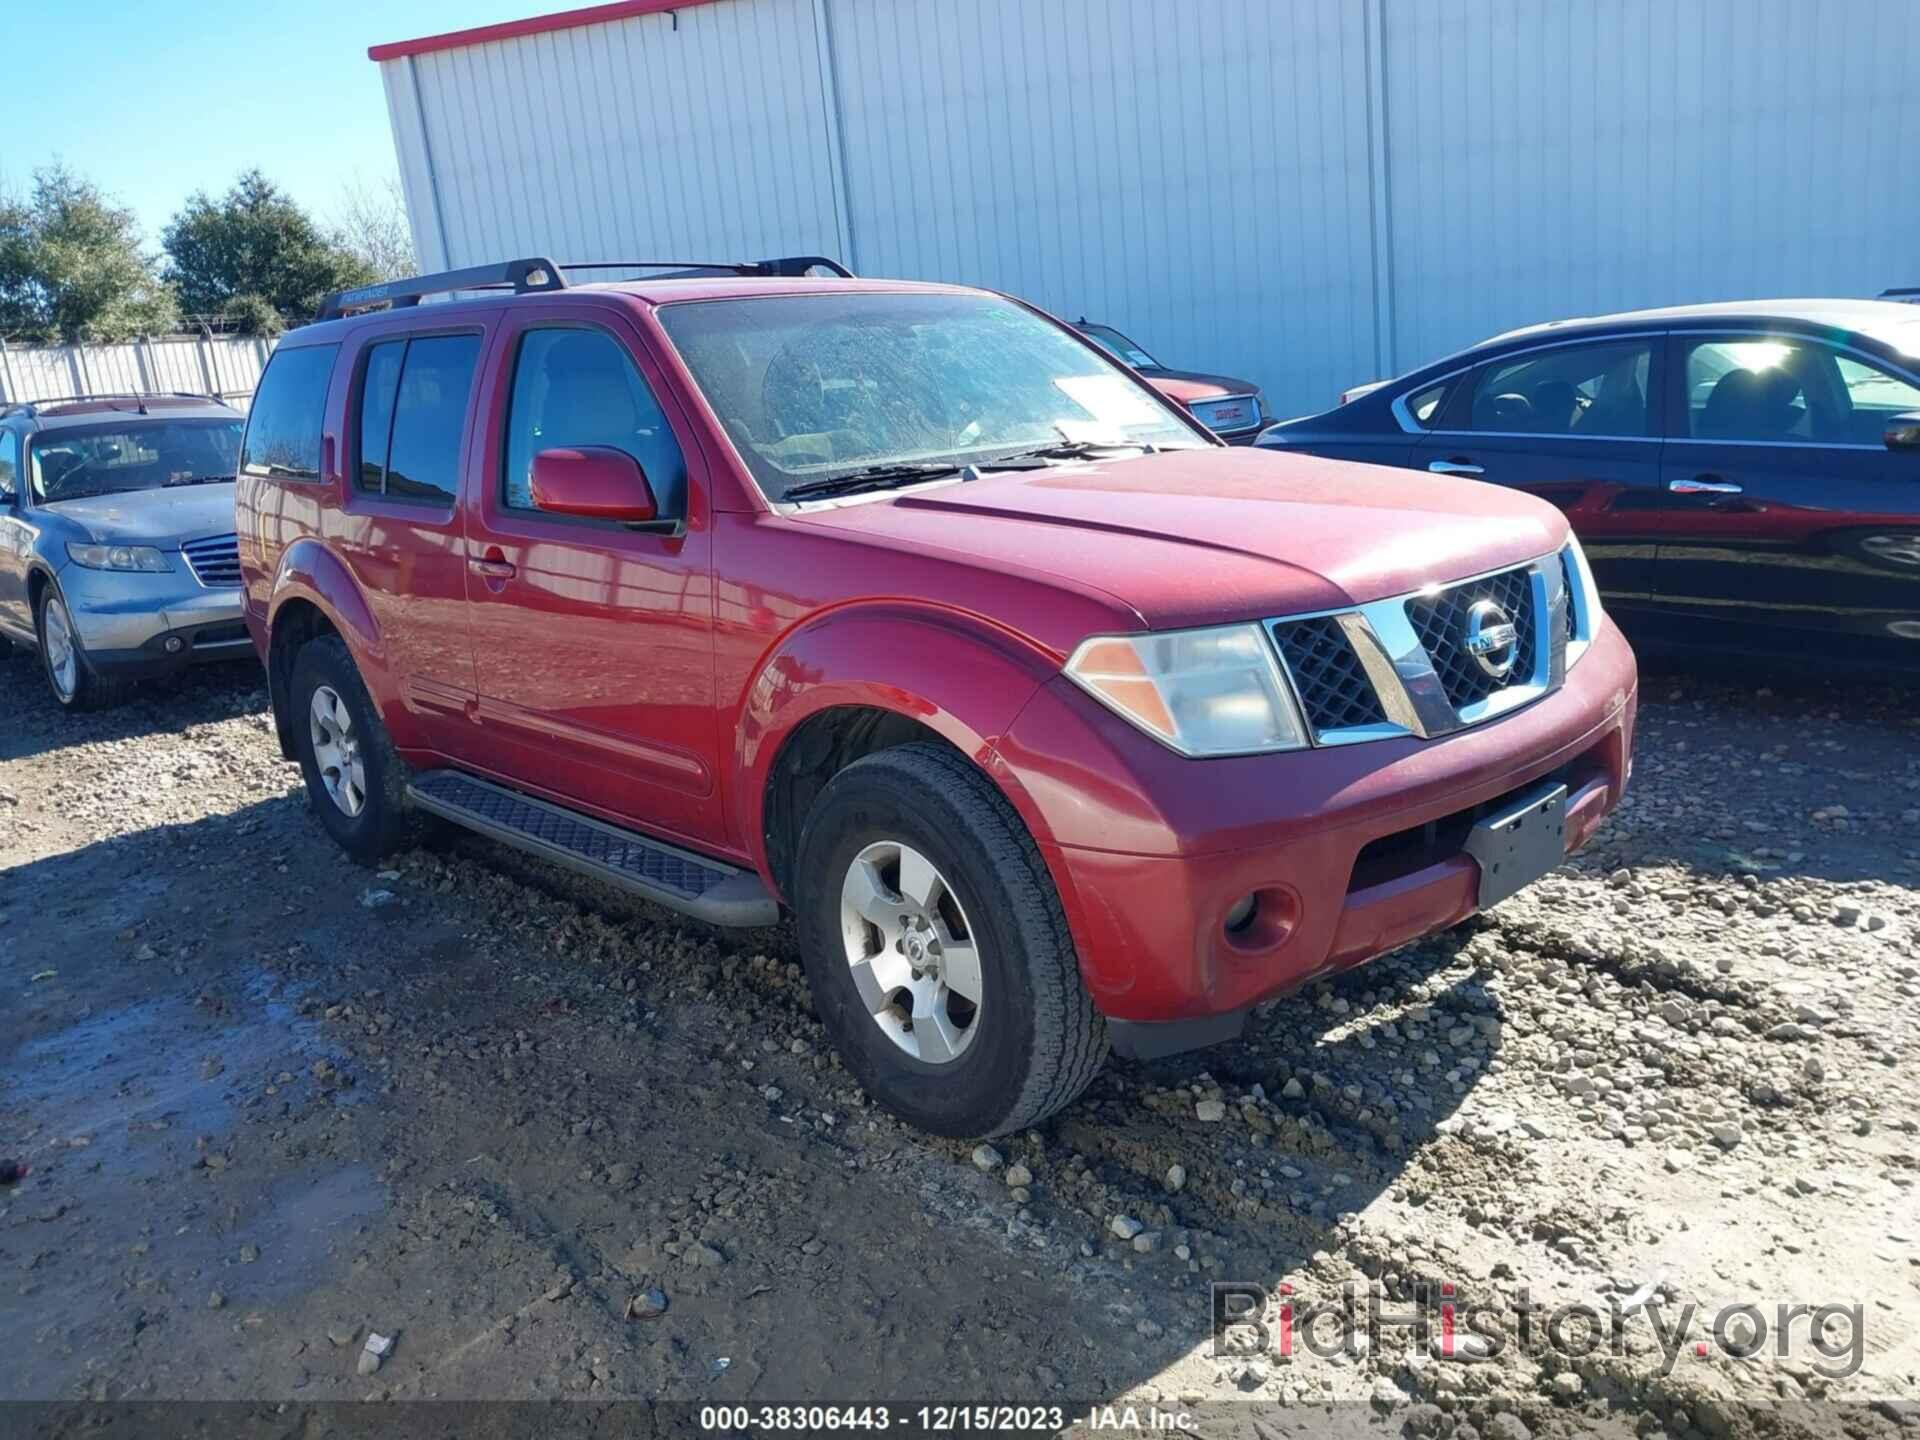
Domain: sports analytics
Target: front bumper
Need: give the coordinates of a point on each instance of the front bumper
(133, 623)
(1353, 850)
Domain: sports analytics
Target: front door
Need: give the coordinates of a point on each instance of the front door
(1789, 527)
(1577, 425)
(16, 540)
(594, 639)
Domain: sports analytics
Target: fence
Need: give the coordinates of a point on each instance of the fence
(225, 365)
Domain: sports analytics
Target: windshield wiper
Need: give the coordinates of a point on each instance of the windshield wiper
(873, 477)
(196, 480)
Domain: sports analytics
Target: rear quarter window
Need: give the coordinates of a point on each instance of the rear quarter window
(288, 412)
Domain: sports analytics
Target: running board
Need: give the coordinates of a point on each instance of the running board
(678, 879)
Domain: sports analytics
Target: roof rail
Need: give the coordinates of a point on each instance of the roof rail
(1910, 294)
(533, 273)
(788, 266)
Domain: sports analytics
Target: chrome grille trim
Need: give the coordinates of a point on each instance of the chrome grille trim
(214, 560)
(1412, 694)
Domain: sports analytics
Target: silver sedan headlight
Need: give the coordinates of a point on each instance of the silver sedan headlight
(1201, 692)
(119, 557)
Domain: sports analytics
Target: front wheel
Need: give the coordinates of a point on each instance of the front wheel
(356, 783)
(76, 685)
(936, 948)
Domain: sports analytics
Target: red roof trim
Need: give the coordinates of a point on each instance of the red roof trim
(533, 25)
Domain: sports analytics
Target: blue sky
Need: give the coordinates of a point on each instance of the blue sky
(154, 102)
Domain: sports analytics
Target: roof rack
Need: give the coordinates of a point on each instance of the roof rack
(534, 273)
(137, 397)
(537, 273)
(787, 266)
(1910, 294)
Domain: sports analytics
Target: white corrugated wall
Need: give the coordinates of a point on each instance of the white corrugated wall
(1309, 193)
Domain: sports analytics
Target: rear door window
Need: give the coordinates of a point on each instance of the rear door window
(288, 411)
(1581, 390)
(424, 390)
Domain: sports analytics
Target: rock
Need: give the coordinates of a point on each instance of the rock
(1463, 1347)
(1293, 1089)
(216, 1300)
(703, 1256)
(1507, 1426)
(1460, 1035)
(249, 1254)
(1210, 1112)
(986, 1158)
(648, 1305)
(1018, 1176)
(1677, 1160)
(1726, 1133)
(620, 1176)
(1567, 1385)
(374, 900)
(212, 1066)
(1176, 1178)
(1146, 1242)
(1125, 1227)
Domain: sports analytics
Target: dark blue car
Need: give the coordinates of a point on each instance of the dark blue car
(1744, 477)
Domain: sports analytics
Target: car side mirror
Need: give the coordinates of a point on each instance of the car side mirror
(595, 482)
(1903, 431)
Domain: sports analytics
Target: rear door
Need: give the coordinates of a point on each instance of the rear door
(1576, 424)
(594, 639)
(410, 436)
(1789, 527)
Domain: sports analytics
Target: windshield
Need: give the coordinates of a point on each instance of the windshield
(815, 387)
(109, 459)
(1120, 347)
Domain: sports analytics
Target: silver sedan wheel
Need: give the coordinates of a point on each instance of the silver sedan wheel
(63, 656)
(336, 751)
(912, 952)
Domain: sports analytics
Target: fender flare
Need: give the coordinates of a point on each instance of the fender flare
(312, 573)
(961, 677)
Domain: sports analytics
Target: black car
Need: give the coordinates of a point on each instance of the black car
(1744, 477)
(1233, 409)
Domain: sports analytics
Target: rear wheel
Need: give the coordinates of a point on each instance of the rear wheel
(73, 680)
(356, 782)
(936, 948)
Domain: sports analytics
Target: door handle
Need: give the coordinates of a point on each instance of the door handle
(1455, 467)
(1704, 485)
(494, 564)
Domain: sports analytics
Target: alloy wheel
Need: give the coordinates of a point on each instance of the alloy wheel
(336, 751)
(63, 656)
(912, 952)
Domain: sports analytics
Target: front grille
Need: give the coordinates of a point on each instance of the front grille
(214, 561)
(1333, 687)
(1440, 622)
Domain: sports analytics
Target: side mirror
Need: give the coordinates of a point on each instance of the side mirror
(1903, 431)
(593, 481)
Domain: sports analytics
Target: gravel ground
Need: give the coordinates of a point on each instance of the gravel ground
(554, 1143)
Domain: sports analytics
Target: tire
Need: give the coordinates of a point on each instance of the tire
(70, 676)
(364, 809)
(1033, 1040)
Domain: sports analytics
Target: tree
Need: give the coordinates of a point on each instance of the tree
(254, 251)
(371, 222)
(71, 266)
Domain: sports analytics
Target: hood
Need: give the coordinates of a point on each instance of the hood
(1205, 536)
(1185, 385)
(161, 518)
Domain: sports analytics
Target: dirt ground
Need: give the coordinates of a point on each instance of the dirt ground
(273, 1101)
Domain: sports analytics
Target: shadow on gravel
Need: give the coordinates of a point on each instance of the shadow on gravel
(38, 726)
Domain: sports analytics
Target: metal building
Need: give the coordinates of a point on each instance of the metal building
(1310, 193)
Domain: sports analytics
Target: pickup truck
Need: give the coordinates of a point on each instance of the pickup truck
(1056, 725)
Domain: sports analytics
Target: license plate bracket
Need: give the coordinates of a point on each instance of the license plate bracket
(1519, 843)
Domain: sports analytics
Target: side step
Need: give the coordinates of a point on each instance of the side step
(678, 879)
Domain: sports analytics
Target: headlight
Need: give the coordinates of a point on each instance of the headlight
(1583, 599)
(118, 557)
(1202, 692)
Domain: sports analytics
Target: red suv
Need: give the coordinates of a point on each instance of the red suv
(1053, 721)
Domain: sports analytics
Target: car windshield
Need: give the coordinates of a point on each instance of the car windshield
(1120, 347)
(813, 388)
(75, 461)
